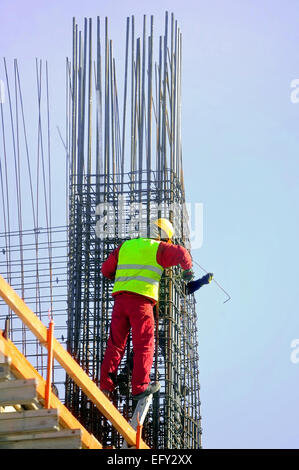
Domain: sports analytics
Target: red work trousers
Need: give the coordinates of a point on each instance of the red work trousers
(130, 311)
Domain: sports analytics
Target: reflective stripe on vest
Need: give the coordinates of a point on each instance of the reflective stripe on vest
(136, 278)
(137, 270)
(141, 266)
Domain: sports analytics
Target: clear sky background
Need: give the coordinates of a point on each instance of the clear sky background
(240, 150)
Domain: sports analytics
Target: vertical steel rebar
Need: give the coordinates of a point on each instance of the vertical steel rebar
(154, 179)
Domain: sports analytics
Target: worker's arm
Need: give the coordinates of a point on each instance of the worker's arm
(109, 266)
(173, 255)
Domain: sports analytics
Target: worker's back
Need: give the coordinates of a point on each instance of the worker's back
(137, 268)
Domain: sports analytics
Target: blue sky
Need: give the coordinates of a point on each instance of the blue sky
(240, 150)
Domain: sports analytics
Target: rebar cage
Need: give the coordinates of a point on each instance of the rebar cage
(122, 169)
(174, 418)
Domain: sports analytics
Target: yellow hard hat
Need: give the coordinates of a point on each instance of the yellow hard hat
(166, 226)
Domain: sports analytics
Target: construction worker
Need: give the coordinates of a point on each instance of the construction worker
(137, 266)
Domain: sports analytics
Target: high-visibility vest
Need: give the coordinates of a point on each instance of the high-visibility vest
(137, 269)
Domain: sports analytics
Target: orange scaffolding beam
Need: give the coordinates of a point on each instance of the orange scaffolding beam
(72, 368)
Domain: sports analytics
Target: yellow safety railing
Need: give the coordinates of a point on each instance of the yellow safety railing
(69, 364)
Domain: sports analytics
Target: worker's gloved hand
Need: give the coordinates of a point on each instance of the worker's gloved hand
(207, 278)
(187, 275)
(195, 285)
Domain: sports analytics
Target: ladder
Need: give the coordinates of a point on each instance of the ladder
(139, 415)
